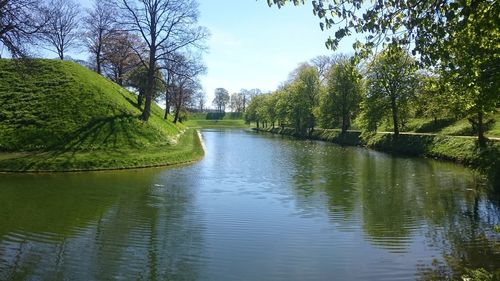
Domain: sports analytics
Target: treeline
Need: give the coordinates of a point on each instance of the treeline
(389, 88)
(154, 46)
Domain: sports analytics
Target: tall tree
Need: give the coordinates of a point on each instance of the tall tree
(342, 97)
(304, 92)
(391, 82)
(221, 99)
(20, 21)
(61, 33)
(99, 27)
(165, 26)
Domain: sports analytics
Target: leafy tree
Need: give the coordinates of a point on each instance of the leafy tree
(341, 100)
(221, 99)
(433, 98)
(305, 94)
(460, 37)
(137, 79)
(472, 62)
(391, 80)
(62, 29)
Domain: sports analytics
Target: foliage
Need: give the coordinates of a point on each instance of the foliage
(340, 102)
(391, 81)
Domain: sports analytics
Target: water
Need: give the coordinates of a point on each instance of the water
(257, 207)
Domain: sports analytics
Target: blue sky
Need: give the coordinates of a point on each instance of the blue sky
(255, 46)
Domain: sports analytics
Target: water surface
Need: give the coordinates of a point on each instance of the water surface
(257, 207)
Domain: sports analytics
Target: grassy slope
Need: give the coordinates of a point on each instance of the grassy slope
(451, 127)
(61, 116)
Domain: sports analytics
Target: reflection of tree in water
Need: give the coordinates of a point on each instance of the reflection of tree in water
(467, 239)
(122, 228)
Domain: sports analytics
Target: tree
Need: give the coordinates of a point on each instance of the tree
(472, 62)
(237, 102)
(221, 99)
(391, 81)
(200, 98)
(342, 97)
(323, 64)
(61, 32)
(182, 83)
(137, 79)
(120, 55)
(460, 37)
(165, 27)
(20, 22)
(99, 25)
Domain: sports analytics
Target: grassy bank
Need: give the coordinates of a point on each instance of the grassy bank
(188, 149)
(60, 116)
(462, 150)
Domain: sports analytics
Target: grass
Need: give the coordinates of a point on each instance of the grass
(187, 150)
(448, 126)
(59, 115)
(238, 123)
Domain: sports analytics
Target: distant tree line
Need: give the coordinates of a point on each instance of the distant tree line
(154, 46)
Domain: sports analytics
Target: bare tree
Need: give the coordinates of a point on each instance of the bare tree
(237, 101)
(20, 21)
(182, 82)
(324, 63)
(99, 25)
(61, 32)
(221, 99)
(200, 98)
(165, 26)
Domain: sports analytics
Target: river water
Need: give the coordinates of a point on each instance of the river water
(257, 207)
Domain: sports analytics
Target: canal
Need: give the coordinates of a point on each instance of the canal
(257, 207)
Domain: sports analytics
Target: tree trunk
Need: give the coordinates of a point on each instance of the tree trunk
(257, 124)
(480, 129)
(395, 116)
(167, 107)
(178, 106)
(140, 97)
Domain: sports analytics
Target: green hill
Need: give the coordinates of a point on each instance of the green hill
(57, 115)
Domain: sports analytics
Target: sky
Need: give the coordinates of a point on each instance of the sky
(253, 45)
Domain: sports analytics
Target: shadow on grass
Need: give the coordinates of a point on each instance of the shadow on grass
(435, 126)
(107, 132)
